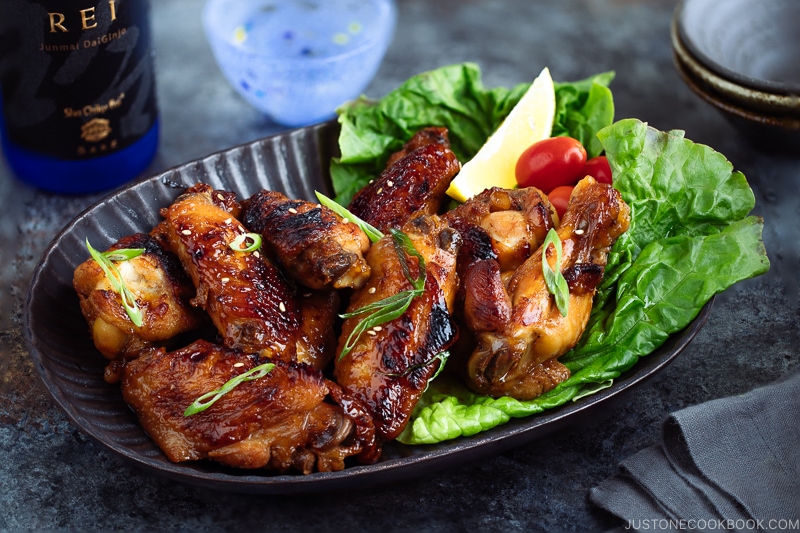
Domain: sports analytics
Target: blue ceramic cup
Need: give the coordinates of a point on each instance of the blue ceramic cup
(298, 60)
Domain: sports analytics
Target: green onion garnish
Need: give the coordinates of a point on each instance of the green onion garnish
(239, 244)
(554, 279)
(106, 262)
(210, 398)
(372, 232)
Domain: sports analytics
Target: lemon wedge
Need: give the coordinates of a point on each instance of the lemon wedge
(529, 121)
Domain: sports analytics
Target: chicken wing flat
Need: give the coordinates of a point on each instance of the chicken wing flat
(518, 358)
(424, 137)
(416, 181)
(283, 421)
(162, 291)
(315, 245)
(390, 365)
(249, 299)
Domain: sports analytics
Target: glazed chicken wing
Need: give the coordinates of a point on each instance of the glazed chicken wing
(415, 181)
(282, 421)
(162, 291)
(517, 355)
(390, 365)
(500, 229)
(315, 245)
(249, 300)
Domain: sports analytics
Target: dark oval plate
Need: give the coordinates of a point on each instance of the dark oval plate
(296, 163)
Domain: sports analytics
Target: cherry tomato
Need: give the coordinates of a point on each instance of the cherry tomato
(550, 163)
(559, 197)
(599, 169)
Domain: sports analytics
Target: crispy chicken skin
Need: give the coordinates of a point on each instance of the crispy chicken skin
(315, 245)
(515, 220)
(516, 354)
(249, 300)
(425, 136)
(316, 335)
(162, 291)
(389, 367)
(284, 421)
(415, 181)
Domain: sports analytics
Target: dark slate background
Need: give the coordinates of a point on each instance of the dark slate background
(52, 476)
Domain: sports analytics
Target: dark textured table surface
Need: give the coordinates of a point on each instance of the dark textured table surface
(52, 476)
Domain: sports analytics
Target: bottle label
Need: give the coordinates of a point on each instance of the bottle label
(77, 76)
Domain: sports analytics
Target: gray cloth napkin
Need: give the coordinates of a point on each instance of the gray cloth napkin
(731, 464)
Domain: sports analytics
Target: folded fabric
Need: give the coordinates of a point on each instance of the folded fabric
(730, 464)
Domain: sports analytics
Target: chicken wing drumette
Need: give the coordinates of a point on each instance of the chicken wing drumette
(161, 290)
(517, 355)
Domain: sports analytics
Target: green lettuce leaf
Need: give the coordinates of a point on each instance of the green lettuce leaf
(691, 237)
(453, 97)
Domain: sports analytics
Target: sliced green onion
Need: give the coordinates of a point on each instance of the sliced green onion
(123, 254)
(238, 244)
(105, 260)
(403, 246)
(210, 398)
(372, 232)
(554, 279)
(382, 311)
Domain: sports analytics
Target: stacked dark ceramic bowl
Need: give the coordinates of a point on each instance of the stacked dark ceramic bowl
(743, 57)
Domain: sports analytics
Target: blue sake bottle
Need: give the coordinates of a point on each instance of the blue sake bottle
(77, 92)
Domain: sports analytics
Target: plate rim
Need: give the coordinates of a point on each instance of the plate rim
(424, 458)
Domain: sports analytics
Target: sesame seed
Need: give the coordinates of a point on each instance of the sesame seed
(256, 254)
(378, 328)
(371, 332)
(220, 196)
(292, 210)
(225, 280)
(282, 307)
(380, 190)
(390, 183)
(579, 232)
(227, 221)
(187, 232)
(238, 365)
(372, 290)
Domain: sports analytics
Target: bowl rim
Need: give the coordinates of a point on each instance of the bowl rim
(790, 124)
(211, 31)
(723, 72)
(741, 96)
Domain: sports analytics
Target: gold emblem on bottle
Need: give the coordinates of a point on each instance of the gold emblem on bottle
(95, 130)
